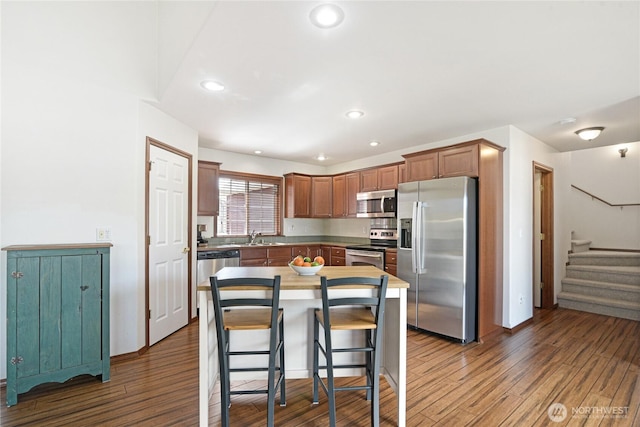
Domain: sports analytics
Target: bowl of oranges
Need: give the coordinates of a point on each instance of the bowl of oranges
(304, 266)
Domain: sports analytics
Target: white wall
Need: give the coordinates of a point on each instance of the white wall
(602, 172)
(522, 151)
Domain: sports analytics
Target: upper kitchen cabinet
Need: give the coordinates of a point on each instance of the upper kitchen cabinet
(339, 185)
(382, 178)
(297, 203)
(345, 189)
(208, 188)
(457, 160)
(461, 161)
(321, 200)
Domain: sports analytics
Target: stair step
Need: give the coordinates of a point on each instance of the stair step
(612, 258)
(614, 291)
(628, 275)
(608, 307)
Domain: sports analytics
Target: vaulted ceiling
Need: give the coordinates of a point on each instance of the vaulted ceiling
(421, 72)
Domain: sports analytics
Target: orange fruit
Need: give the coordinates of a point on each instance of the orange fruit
(306, 264)
(299, 261)
(319, 260)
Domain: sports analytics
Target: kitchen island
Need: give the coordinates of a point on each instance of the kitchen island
(299, 296)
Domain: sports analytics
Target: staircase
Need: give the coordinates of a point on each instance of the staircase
(603, 282)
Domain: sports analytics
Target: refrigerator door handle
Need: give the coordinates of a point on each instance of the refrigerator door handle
(420, 238)
(414, 238)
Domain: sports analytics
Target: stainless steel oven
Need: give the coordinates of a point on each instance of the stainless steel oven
(364, 255)
(380, 240)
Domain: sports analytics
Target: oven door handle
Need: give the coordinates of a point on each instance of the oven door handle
(364, 254)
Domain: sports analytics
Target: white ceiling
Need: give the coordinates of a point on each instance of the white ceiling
(421, 72)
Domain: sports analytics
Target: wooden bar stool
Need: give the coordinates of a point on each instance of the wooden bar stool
(242, 314)
(350, 313)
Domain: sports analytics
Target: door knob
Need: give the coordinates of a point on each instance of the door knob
(186, 250)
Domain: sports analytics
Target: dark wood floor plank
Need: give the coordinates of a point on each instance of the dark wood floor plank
(575, 358)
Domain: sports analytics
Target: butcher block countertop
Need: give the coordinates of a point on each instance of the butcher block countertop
(290, 280)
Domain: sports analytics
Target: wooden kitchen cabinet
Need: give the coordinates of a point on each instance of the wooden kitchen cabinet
(391, 261)
(253, 257)
(458, 160)
(278, 257)
(265, 256)
(352, 188)
(297, 202)
(305, 250)
(57, 314)
(339, 205)
(345, 190)
(421, 166)
(382, 178)
(321, 196)
(338, 255)
(208, 191)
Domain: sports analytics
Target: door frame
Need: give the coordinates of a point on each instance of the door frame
(546, 227)
(147, 239)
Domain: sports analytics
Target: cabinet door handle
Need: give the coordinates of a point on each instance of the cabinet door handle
(16, 274)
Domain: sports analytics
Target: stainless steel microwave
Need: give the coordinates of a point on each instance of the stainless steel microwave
(377, 204)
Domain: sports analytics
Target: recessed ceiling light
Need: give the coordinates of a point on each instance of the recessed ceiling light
(568, 121)
(589, 134)
(374, 143)
(212, 85)
(321, 157)
(354, 114)
(326, 16)
(257, 152)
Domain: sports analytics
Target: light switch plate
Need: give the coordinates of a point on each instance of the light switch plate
(103, 234)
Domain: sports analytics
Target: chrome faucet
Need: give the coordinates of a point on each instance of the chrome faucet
(253, 236)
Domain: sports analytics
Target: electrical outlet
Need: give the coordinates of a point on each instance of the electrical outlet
(521, 299)
(103, 234)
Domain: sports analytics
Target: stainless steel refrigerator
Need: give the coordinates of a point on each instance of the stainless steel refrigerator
(437, 254)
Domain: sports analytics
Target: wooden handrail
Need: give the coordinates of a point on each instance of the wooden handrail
(604, 201)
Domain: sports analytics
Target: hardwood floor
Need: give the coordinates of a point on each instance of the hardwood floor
(589, 363)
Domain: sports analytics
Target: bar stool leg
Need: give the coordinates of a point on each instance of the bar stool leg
(225, 392)
(331, 392)
(369, 360)
(283, 391)
(316, 350)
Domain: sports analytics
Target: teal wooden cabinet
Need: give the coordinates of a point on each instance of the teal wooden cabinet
(57, 314)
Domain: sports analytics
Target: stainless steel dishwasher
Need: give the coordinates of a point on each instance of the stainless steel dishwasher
(211, 261)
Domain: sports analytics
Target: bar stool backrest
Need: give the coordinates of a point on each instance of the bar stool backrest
(245, 284)
(376, 301)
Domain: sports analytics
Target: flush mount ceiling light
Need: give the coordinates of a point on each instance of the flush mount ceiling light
(354, 114)
(589, 134)
(212, 85)
(326, 16)
(374, 143)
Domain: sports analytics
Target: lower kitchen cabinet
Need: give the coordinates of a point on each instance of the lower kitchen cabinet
(391, 261)
(338, 255)
(57, 314)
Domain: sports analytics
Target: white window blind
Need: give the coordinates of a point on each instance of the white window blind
(247, 203)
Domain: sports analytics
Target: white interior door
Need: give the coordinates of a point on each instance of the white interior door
(169, 243)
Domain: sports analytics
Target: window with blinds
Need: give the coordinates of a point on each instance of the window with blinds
(249, 202)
